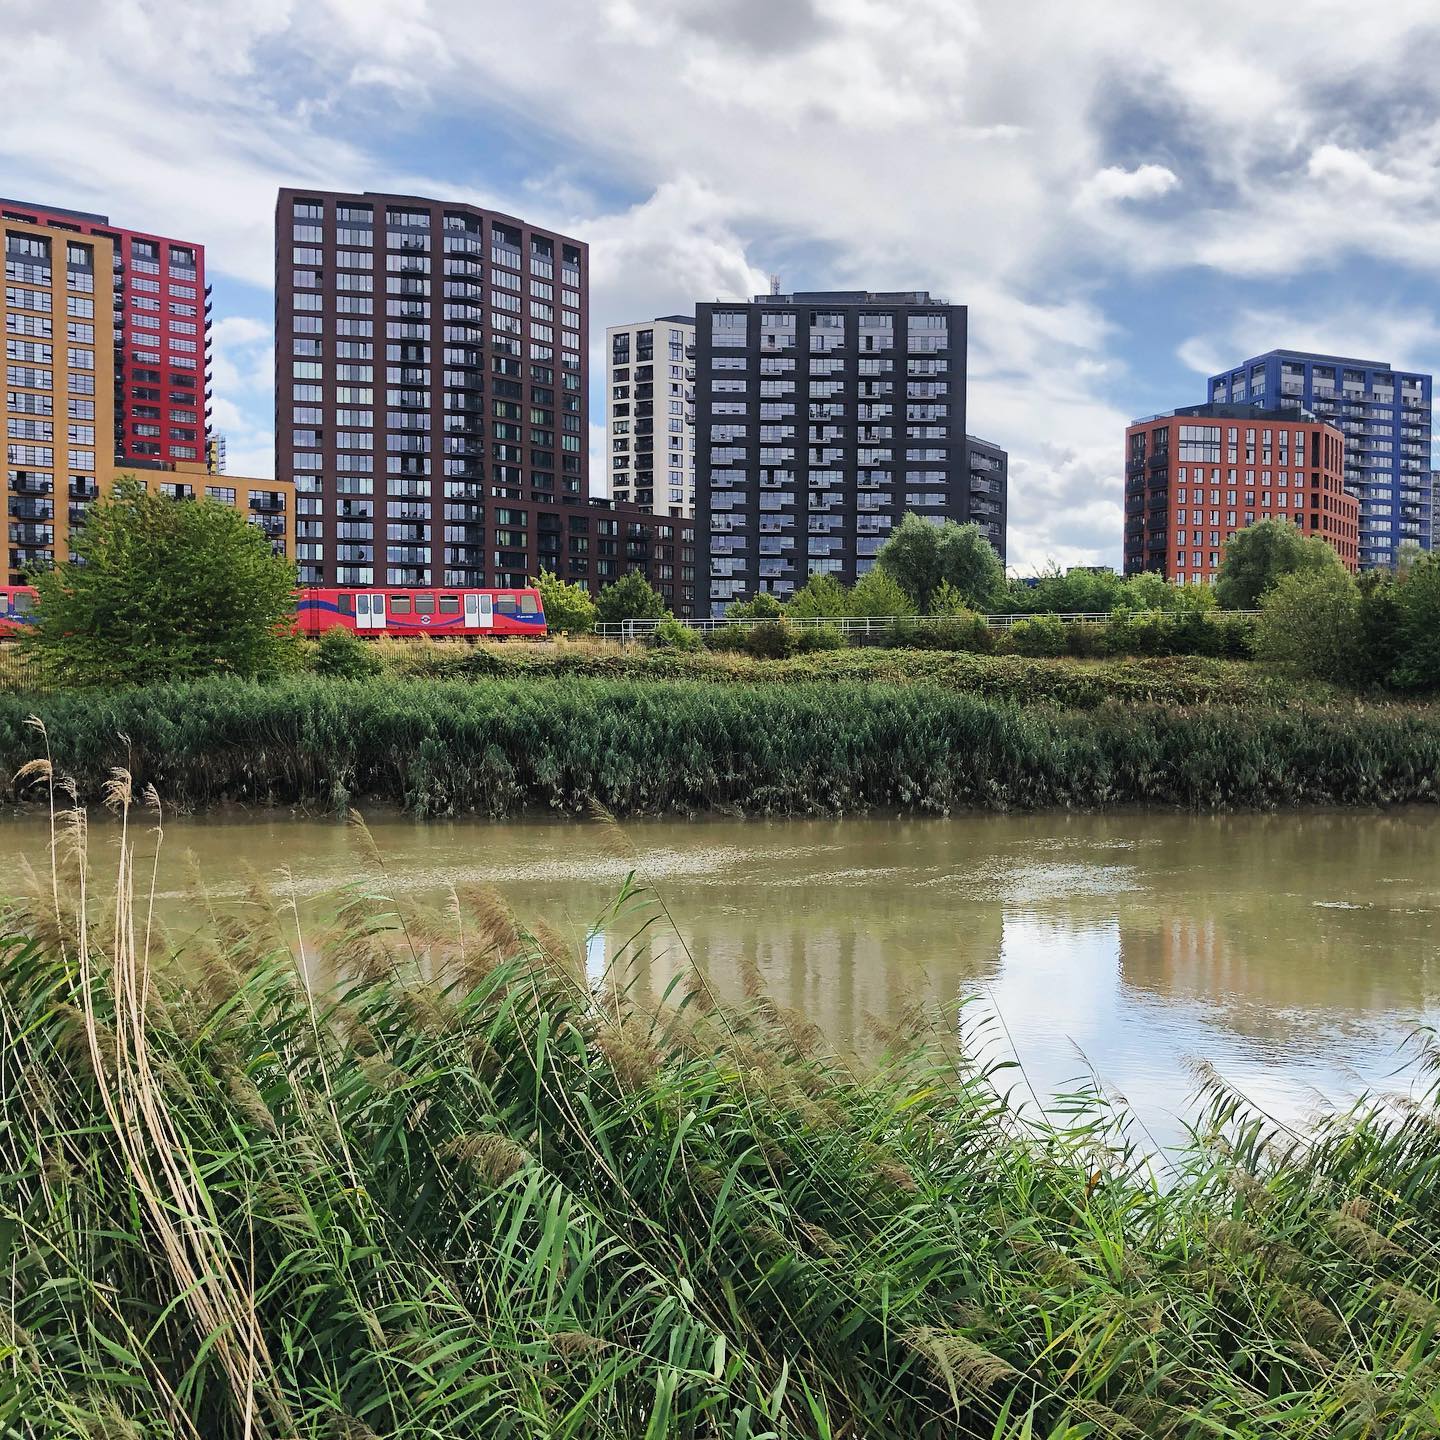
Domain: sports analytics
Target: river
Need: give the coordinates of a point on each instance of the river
(1294, 952)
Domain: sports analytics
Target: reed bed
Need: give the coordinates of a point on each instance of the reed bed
(500, 747)
(465, 1192)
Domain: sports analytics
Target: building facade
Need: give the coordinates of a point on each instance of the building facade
(1196, 475)
(59, 386)
(821, 418)
(430, 385)
(988, 467)
(650, 382)
(1385, 416)
(160, 335)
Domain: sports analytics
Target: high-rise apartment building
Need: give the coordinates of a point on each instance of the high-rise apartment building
(650, 375)
(160, 333)
(59, 386)
(430, 386)
(988, 467)
(1196, 475)
(1385, 416)
(821, 418)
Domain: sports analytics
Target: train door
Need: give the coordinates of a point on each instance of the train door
(479, 612)
(369, 612)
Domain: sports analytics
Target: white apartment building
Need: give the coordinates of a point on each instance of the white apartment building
(650, 374)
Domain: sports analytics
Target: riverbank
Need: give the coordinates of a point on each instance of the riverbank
(498, 747)
(516, 1205)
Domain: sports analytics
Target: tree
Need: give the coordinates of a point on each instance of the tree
(569, 610)
(1310, 622)
(631, 597)
(1418, 598)
(969, 564)
(162, 589)
(760, 606)
(821, 597)
(878, 593)
(1257, 556)
(911, 557)
(947, 600)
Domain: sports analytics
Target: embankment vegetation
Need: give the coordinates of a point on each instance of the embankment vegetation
(439, 747)
(466, 1192)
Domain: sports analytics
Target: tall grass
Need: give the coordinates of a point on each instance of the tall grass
(465, 1193)
(496, 747)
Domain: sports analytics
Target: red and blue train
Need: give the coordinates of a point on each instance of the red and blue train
(371, 613)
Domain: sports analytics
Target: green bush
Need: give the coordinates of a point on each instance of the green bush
(670, 634)
(770, 640)
(1086, 640)
(1418, 664)
(344, 656)
(1044, 635)
(763, 606)
(1310, 622)
(569, 610)
(963, 631)
(812, 639)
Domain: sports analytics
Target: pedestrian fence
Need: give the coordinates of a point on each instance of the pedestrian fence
(865, 626)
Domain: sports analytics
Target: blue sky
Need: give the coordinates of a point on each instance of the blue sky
(1126, 195)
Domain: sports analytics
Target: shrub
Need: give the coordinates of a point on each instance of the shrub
(1310, 622)
(1044, 635)
(1256, 557)
(821, 597)
(1085, 640)
(878, 595)
(727, 639)
(811, 639)
(771, 640)
(343, 656)
(670, 634)
(965, 631)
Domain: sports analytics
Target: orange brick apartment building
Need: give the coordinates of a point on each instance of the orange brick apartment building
(1196, 475)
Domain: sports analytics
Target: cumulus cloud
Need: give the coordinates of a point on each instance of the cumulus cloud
(880, 143)
(1114, 182)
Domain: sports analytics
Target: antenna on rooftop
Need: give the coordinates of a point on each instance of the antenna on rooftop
(774, 284)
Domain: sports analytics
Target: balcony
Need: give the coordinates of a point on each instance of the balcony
(269, 504)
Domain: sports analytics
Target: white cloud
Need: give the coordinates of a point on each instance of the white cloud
(1145, 182)
(983, 153)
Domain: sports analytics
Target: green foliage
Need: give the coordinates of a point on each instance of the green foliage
(1310, 622)
(1044, 635)
(631, 597)
(457, 1197)
(921, 556)
(823, 733)
(821, 597)
(1418, 641)
(770, 640)
(1257, 556)
(670, 634)
(762, 606)
(878, 594)
(343, 655)
(962, 630)
(1378, 639)
(813, 639)
(569, 610)
(163, 589)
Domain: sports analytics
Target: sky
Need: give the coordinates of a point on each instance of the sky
(1127, 195)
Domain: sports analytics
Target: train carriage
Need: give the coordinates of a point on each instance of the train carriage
(17, 609)
(468, 614)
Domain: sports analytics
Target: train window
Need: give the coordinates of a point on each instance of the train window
(24, 604)
(528, 605)
(505, 604)
(424, 604)
(346, 604)
(449, 604)
(399, 604)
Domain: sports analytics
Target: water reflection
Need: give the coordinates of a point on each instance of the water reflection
(1293, 951)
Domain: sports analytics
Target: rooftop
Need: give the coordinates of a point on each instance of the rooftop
(851, 297)
(1236, 410)
(29, 208)
(1321, 359)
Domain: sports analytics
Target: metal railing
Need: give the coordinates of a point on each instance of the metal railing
(866, 625)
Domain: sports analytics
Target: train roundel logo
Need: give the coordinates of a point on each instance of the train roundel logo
(424, 619)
